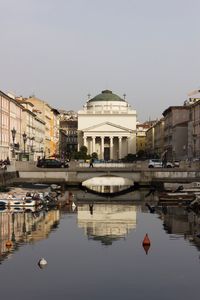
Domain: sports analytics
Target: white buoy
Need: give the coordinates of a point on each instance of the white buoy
(73, 205)
(42, 263)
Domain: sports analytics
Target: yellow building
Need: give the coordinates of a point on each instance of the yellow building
(141, 135)
(48, 115)
(54, 132)
(33, 127)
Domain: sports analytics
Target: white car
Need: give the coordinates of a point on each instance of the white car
(157, 163)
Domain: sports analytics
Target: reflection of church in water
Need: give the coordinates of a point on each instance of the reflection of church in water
(107, 222)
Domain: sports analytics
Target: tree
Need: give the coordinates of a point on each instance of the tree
(94, 155)
(82, 154)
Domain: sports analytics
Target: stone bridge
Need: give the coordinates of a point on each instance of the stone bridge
(75, 176)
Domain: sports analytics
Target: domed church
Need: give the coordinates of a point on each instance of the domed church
(107, 126)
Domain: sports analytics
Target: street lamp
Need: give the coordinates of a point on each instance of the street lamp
(13, 131)
(24, 135)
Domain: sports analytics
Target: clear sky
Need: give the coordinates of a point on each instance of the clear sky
(61, 50)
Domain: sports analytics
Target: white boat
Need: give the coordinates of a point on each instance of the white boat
(21, 200)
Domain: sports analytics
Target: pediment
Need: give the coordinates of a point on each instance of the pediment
(107, 127)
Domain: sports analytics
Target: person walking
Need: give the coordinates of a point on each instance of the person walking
(91, 163)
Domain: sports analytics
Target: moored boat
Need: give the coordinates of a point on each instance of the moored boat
(176, 198)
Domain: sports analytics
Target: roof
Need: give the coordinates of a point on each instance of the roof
(106, 95)
(11, 99)
(170, 108)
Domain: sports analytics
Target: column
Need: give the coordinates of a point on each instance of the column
(93, 144)
(85, 141)
(129, 144)
(102, 147)
(111, 147)
(120, 147)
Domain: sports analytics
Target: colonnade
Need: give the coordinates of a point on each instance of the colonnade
(108, 147)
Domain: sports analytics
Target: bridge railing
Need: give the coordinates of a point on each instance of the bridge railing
(107, 165)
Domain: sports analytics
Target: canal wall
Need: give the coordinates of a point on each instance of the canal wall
(8, 177)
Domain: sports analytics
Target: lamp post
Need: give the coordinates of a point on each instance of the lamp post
(13, 131)
(24, 135)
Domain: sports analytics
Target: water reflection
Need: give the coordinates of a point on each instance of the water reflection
(108, 188)
(177, 222)
(106, 222)
(108, 184)
(24, 227)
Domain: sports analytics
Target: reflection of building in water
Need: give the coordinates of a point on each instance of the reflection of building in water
(176, 220)
(88, 196)
(108, 188)
(19, 227)
(107, 222)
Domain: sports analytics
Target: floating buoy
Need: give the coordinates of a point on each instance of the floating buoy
(146, 241)
(42, 263)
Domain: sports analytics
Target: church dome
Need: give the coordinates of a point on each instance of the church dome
(106, 95)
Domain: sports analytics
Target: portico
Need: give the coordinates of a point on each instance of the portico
(108, 147)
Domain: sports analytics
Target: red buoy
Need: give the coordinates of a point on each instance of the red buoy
(146, 241)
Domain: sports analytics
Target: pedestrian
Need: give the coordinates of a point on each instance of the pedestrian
(38, 161)
(164, 161)
(91, 163)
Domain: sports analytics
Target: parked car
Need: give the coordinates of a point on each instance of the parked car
(176, 163)
(52, 163)
(157, 163)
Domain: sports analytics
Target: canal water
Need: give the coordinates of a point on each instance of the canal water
(96, 252)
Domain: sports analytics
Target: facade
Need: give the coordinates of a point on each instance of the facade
(150, 142)
(69, 124)
(54, 132)
(33, 128)
(141, 138)
(194, 131)
(45, 111)
(107, 126)
(10, 120)
(159, 137)
(176, 120)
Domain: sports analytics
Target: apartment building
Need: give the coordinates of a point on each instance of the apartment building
(45, 111)
(194, 131)
(54, 132)
(10, 127)
(176, 120)
(33, 128)
(141, 139)
(69, 124)
(159, 137)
